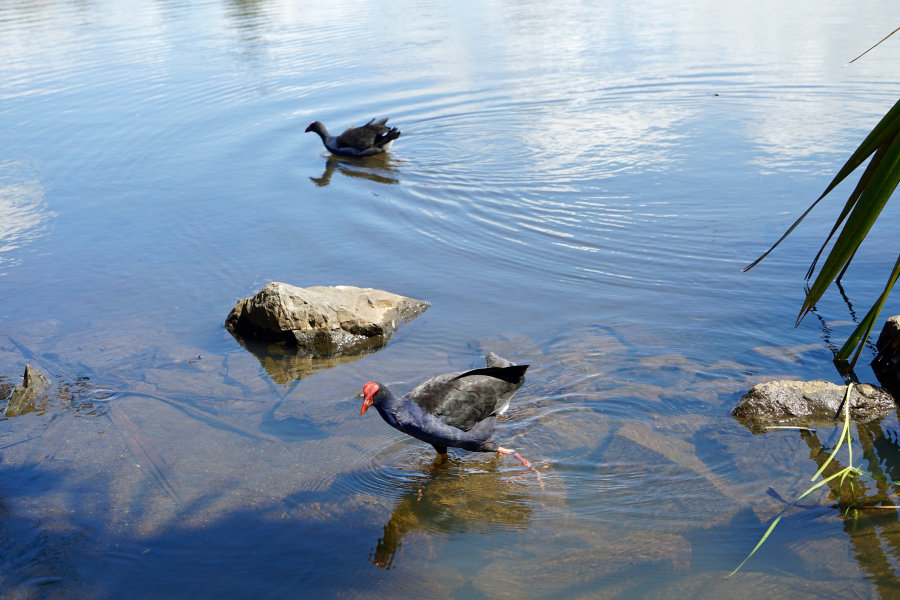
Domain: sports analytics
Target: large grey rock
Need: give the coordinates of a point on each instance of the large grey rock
(27, 393)
(323, 321)
(810, 403)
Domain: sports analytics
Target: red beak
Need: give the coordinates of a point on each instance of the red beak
(369, 391)
(367, 402)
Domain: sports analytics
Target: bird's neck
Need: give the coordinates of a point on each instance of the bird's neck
(323, 133)
(389, 404)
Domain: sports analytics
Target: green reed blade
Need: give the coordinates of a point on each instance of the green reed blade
(875, 311)
(880, 478)
(860, 221)
(864, 328)
(853, 340)
(879, 137)
(844, 432)
(847, 399)
(888, 126)
(781, 239)
(851, 201)
(781, 514)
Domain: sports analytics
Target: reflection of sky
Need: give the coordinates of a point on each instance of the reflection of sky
(615, 68)
(23, 212)
(532, 131)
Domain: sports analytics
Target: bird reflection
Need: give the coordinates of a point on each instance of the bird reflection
(376, 168)
(453, 499)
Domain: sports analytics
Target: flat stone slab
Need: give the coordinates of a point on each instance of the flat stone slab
(26, 394)
(323, 322)
(809, 403)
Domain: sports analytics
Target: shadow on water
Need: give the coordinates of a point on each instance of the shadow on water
(82, 551)
(41, 554)
(379, 169)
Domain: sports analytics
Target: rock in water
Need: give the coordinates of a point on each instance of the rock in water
(810, 403)
(27, 393)
(324, 321)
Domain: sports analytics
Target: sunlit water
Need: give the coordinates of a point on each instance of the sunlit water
(577, 187)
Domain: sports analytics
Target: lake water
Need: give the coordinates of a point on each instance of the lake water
(577, 187)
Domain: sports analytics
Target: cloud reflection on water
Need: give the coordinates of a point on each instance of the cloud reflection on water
(23, 212)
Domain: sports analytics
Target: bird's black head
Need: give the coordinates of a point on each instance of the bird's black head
(314, 126)
(372, 393)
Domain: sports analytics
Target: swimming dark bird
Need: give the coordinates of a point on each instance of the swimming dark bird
(456, 410)
(358, 142)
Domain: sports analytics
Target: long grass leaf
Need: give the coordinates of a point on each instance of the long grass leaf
(881, 478)
(887, 127)
(856, 336)
(876, 310)
(873, 47)
(844, 433)
(781, 514)
(858, 225)
(851, 201)
(849, 441)
(760, 543)
(781, 239)
(867, 209)
(840, 277)
(884, 138)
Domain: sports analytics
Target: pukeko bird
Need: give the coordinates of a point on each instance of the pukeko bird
(456, 410)
(358, 142)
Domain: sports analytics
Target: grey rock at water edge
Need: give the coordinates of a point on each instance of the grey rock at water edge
(889, 333)
(27, 393)
(887, 364)
(809, 403)
(323, 321)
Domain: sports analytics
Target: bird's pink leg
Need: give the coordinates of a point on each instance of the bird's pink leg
(502, 450)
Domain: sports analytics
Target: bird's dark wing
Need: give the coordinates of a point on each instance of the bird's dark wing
(373, 134)
(379, 127)
(359, 138)
(462, 400)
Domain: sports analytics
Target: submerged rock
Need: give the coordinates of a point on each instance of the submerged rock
(323, 321)
(809, 403)
(887, 364)
(27, 393)
(286, 364)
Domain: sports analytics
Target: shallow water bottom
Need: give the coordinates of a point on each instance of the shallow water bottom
(171, 471)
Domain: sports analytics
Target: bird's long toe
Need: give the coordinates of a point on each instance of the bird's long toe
(502, 450)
